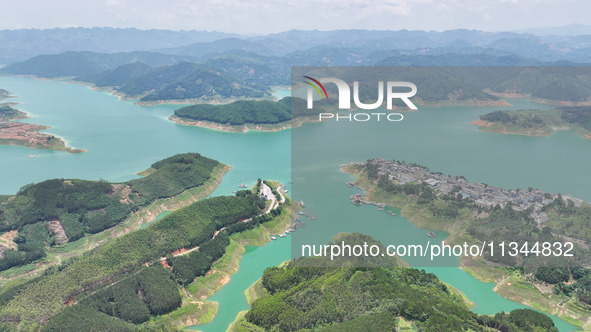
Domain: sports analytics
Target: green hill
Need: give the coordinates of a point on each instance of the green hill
(59, 211)
(186, 80)
(239, 112)
(124, 278)
(538, 122)
(75, 64)
(8, 113)
(117, 76)
(344, 298)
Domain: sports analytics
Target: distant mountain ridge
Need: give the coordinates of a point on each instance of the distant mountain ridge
(86, 63)
(225, 67)
(18, 45)
(157, 77)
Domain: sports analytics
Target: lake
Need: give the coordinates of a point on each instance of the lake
(123, 138)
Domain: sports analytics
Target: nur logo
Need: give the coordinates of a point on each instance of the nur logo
(344, 92)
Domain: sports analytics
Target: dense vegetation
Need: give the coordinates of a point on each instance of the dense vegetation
(345, 298)
(196, 263)
(577, 115)
(574, 117)
(81, 206)
(8, 113)
(83, 318)
(239, 112)
(119, 262)
(237, 72)
(119, 75)
(150, 291)
(189, 81)
(509, 119)
(121, 306)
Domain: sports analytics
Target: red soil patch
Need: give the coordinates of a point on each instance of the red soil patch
(180, 251)
(482, 123)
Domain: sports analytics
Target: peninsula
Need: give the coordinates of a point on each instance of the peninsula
(475, 212)
(338, 296)
(538, 122)
(158, 275)
(13, 132)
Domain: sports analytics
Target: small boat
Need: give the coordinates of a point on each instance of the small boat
(287, 231)
(234, 192)
(389, 211)
(31, 156)
(282, 235)
(431, 234)
(381, 209)
(273, 238)
(394, 214)
(242, 185)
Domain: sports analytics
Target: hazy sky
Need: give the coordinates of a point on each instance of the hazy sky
(261, 16)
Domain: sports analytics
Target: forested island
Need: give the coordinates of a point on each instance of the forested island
(334, 296)
(475, 212)
(13, 132)
(245, 115)
(133, 282)
(538, 122)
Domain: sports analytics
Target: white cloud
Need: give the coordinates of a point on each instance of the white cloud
(263, 16)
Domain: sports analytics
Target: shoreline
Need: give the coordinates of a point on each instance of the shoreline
(544, 101)
(133, 222)
(294, 123)
(466, 102)
(546, 131)
(225, 268)
(124, 97)
(16, 133)
(483, 271)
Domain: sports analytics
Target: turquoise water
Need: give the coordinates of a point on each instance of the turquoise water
(231, 298)
(280, 92)
(158, 217)
(123, 138)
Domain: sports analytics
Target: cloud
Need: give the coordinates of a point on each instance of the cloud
(265, 16)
